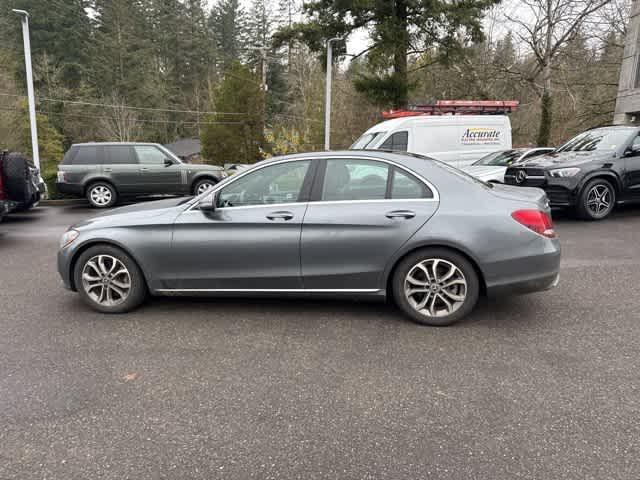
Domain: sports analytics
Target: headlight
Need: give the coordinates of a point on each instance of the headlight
(564, 172)
(68, 237)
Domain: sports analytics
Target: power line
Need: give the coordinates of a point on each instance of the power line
(123, 106)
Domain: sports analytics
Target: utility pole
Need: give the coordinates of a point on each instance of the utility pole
(32, 103)
(327, 101)
(263, 55)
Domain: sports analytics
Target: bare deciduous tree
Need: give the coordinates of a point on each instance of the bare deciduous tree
(122, 123)
(546, 26)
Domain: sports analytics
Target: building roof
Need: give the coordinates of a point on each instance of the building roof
(185, 147)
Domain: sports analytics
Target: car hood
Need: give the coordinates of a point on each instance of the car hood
(137, 214)
(567, 159)
(481, 171)
(199, 167)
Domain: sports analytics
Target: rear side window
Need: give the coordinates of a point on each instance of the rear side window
(355, 180)
(405, 185)
(120, 155)
(69, 156)
(397, 142)
(88, 155)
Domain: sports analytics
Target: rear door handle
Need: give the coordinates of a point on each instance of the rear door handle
(280, 216)
(400, 214)
(108, 169)
(144, 169)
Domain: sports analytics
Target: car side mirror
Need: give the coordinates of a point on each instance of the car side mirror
(168, 162)
(208, 203)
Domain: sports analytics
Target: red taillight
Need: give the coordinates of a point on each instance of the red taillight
(535, 220)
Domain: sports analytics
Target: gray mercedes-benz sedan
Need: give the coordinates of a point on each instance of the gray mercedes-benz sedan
(354, 223)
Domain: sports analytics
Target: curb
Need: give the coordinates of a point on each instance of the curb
(63, 202)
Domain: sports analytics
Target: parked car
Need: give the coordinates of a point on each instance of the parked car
(21, 186)
(107, 172)
(458, 140)
(366, 224)
(492, 167)
(590, 173)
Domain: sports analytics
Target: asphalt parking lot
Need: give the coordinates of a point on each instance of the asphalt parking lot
(544, 386)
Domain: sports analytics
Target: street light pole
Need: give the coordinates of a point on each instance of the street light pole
(32, 103)
(327, 100)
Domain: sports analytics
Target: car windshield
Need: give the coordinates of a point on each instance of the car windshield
(367, 141)
(598, 139)
(500, 159)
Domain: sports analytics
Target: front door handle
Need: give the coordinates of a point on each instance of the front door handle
(108, 169)
(400, 214)
(280, 216)
(144, 169)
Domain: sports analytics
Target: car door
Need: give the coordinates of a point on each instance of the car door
(632, 170)
(156, 176)
(251, 241)
(361, 212)
(121, 166)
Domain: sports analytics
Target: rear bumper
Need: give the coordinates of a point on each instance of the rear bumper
(521, 275)
(70, 188)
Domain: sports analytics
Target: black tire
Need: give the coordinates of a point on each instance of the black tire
(200, 183)
(15, 169)
(586, 209)
(138, 289)
(102, 195)
(445, 257)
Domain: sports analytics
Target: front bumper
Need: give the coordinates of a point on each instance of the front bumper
(65, 256)
(70, 188)
(561, 192)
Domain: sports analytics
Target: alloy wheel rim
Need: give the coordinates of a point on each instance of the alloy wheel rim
(106, 280)
(599, 200)
(435, 287)
(100, 195)
(203, 187)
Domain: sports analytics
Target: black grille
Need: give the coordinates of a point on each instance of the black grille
(534, 178)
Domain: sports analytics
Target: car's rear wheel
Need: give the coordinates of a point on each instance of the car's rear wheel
(108, 280)
(436, 286)
(597, 200)
(102, 195)
(203, 185)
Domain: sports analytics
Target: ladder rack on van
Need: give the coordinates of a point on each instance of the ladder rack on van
(456, 107)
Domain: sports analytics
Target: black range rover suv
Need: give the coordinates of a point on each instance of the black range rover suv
(590, 173)
(106, 172)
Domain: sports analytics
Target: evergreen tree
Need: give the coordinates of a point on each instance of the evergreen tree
(228, 26)
(224, 140)
(397, 27)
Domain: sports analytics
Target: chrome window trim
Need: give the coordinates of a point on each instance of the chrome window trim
(270, 290)
(237, 176)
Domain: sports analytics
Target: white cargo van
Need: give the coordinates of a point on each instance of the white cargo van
(456, 139)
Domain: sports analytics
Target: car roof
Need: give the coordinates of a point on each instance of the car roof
(373, 154)
(102, 144)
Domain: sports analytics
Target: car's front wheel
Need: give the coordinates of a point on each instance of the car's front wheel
(109, 280)
(596, 200)
(436, 286)
(202, 186)
(102, 195)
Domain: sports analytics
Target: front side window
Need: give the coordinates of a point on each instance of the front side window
(398, 142)
(149, 155)
(281, 183)
(355, 180)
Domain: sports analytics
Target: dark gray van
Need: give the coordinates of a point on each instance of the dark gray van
(107, 172)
